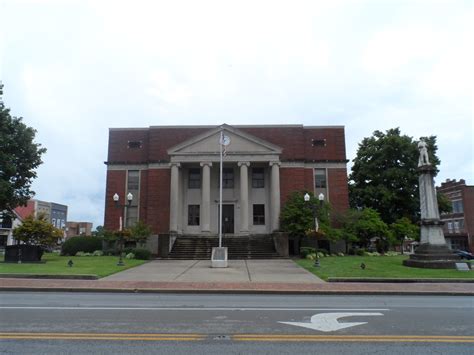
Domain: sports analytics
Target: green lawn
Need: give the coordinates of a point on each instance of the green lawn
(57, 265)
(376, 266)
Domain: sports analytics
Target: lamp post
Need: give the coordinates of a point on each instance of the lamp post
(314, 209)
(116, 199)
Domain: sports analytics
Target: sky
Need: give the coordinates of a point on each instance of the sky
(73, 69)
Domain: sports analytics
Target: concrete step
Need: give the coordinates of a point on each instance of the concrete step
(253, 247)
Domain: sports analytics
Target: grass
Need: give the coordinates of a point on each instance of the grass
(57, 265)
(376, 266)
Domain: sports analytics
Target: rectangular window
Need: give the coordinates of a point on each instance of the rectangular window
(194, 181)
(258, 214)
(450, 227)
(133, 180)
(456, 226)
(320, 178)
(227, 178)
(318, 142)
(133, 187)
(258, 179)
(193, 215)
(132, 216)
(134, 144)
(457, 206)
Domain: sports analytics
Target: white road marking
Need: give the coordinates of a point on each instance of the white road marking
(190, 308)
(327, 322)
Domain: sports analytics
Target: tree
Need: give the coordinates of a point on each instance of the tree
(296, 216)
(404, 228)
(137, 234)
(140, 231)
(19, 157)
(385, 176)
(444, 203)
(38, 232)
(361, 226)
(347, 221)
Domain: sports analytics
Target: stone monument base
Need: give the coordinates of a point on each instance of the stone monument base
(219, 257)
(431, 256)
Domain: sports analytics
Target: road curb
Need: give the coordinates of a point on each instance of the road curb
(240, 291)
(51, 277)
(397, 280)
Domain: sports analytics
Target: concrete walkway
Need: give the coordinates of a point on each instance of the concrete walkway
(273, 271)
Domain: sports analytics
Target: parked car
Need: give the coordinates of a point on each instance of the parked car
(464, 254)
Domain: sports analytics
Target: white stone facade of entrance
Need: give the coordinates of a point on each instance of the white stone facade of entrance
(244, 157)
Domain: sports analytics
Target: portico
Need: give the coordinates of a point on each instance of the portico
(251, 185)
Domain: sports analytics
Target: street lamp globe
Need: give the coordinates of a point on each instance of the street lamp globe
(129, 198)
(321, 197)
(116, 197)
(306, 197)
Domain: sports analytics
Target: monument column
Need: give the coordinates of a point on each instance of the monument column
(206, 197)
(244, 197)
(174, 197)
(432, 253)
(275, 196)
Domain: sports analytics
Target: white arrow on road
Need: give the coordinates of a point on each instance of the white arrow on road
(327, 322)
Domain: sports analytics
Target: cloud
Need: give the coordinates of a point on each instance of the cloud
(74, 69)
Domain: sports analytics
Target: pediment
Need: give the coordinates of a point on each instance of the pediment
(241, 143)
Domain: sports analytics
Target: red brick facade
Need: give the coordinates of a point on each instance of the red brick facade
(115, 184)
(158, 207)
(459, 224)
(302, 149)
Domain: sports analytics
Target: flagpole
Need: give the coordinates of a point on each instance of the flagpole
(220, 189)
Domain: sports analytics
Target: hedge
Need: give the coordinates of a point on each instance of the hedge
(84, 244)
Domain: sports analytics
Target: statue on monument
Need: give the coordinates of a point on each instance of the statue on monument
(433, 252)
(423, 148)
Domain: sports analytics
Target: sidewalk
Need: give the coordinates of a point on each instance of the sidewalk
(242, 276)
(238, 287)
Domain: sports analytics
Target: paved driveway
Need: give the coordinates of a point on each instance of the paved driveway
(278, 270)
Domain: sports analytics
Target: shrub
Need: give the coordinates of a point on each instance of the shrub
(142, 254)
(340, 254)
(360, 252)
(323, 251)
(305, 251)
(110, 252)
(127, 250)
(375, 253)
(130, 256)
(351, 251)
(81, 253)
(84, 244)
(98, 253)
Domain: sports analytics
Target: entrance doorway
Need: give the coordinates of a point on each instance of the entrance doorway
(227, 219)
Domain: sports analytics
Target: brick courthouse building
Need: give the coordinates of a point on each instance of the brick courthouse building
(173, 174)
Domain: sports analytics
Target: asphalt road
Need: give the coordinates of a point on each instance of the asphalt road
(76, 323)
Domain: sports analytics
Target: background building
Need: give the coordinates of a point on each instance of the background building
(7, 224)
(173, 174)
(459, 224)
(78, 228)
(55, 213)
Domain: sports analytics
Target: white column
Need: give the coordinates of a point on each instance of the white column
(275, 196)
(174, 197)
(206, 197)
(244, 197)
